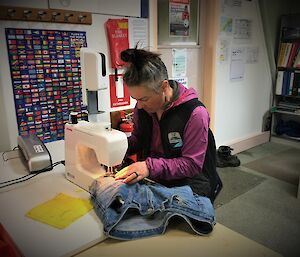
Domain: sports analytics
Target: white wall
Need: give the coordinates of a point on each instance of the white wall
(241, 105)
(193, 65)
(96, 39)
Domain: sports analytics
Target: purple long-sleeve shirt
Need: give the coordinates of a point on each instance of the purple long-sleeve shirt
(195, 140)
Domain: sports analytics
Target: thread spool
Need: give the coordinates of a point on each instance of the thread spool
(73, 117)
(85, 115)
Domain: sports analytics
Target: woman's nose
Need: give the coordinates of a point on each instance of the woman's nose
(139, 104)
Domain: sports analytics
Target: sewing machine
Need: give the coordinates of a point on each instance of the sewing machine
(92, 149)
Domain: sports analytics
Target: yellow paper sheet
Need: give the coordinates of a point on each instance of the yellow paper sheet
(60, 211)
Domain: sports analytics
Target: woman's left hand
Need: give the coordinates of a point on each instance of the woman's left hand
(133, 173)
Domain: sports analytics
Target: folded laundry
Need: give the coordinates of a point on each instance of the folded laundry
(145, 208)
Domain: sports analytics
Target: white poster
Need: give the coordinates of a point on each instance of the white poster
(237, 66)
(182, 80)
(179, 17)
(252, 54)
(223, 50)
(242, 29)
(179, 60)
(226, 25)
(138, 32)
(231, 7)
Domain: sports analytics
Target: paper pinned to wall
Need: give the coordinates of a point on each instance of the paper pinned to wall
(237, 66)
(179, 61)
(226, 24)
(182, 80)
(252, 55)
(223, 50)
(242, 29)
(231, 7)
(138, 32)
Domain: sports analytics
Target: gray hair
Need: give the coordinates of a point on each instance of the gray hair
(144, 68)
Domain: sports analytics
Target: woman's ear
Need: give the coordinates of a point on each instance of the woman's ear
(164, 85)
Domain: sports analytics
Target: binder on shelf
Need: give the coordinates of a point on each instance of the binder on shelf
(296, 63)
(279, 82)
(285, 83)
(293, 53)
(288, 83)
(296, 84)
(281, 54)
(287, 54)
(291, 82)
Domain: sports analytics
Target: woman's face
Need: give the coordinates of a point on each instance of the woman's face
(147, 99)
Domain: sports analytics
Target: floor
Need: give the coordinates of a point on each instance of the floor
(268, 213)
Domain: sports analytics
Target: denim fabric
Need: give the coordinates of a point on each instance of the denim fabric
(145, 208)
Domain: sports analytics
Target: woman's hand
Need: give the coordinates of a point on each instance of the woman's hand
(133, 173)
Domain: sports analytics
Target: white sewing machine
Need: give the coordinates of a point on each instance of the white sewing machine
(90, 150)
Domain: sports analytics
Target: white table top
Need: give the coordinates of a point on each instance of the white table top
(34, 238)
(81, 238)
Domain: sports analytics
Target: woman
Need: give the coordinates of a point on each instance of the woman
(171, 134)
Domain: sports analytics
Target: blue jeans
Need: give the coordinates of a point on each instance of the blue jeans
(145, 208)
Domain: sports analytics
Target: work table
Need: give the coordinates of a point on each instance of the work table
(82, 238)
(34, 238)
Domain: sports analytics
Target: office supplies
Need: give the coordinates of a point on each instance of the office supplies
(92, 149)
(36, 155)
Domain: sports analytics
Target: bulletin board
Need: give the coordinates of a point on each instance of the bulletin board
(46, 79)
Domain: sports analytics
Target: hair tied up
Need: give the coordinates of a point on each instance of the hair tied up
(135, 57)
(128, 55)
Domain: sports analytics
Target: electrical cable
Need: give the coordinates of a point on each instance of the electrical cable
(26, 177)
(34, 172)
(4, 159)
(8, 181)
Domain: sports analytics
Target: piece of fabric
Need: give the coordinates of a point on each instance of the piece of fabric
(61, 211)
(145, 208)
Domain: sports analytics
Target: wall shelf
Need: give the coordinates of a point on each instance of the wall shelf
(45, 15)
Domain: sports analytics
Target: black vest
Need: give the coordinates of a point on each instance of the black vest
(207, 182)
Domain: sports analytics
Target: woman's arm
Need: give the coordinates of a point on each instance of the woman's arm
(195, 141)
